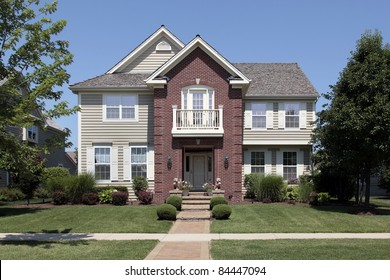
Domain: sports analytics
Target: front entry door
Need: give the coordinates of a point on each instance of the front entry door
(199, 171)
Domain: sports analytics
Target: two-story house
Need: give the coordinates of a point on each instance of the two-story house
(173, 110)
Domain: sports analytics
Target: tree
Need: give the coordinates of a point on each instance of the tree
(32, 72)
(353, 131)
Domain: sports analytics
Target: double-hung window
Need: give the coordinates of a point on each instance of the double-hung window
(289, 165)
(102, 163)
(138, 161)
(120, 107)
(257, 162)
(259, 115)
(292, 115)
(32, 134)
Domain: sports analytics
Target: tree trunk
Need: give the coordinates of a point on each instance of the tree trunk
(368, 189)
(357, 190)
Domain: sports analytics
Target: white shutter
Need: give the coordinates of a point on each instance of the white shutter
(300, 165)
(302, 115)
(90, 160)
(282, 115)
(268, 162)
(248, 116)
(270, 115)
(279, 163)
(150, 168)
(247, 162)
(114, 163)
(126, 164)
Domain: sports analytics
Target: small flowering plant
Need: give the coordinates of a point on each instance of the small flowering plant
(181, 185)
(208, 186)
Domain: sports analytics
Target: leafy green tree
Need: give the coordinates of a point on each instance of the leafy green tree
(32, 72)
(353, 131)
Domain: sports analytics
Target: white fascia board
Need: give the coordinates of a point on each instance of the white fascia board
(276, 142)
(198, 42)
(138, 50)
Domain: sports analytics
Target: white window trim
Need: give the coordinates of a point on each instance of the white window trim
(265, 115)
(298, 115)
(296, 165)
(146, 160)
(265, 163)
(94, 163)
(25, 134)
(136, 108)
(206, 101)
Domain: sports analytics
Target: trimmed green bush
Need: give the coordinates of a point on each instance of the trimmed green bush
(216, 200)
(119, 198)
(78, 185)
(176, 201)
(249, 184)
(323, 198)
(166, 212)
(145, 198)
(58, 184)
(54, 172)
(221, 212)
(270, 188)
(139, 184)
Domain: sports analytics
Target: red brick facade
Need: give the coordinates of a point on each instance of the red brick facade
(198, 65)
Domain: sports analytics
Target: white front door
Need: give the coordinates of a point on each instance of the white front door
(199, 170)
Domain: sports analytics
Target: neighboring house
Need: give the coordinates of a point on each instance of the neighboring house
(35, 135)
(173, 110)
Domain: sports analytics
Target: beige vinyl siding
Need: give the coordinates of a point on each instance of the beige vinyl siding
(149, 60)
(120, 134)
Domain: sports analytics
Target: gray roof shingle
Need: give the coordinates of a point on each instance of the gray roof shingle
(267, 79)
(276, 79)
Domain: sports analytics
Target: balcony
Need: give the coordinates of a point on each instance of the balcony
(197, 123)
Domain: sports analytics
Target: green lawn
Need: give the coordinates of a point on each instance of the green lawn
(83, 219)
(262, 218)
(323, 249)
(76, 250)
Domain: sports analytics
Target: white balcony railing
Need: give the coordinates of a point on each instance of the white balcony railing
(206, 123)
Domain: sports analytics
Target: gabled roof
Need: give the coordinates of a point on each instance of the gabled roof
(198, 42)
(162, 31)
(112, 81)
(277, 80)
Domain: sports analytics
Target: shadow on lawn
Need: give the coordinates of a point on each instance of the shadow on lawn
(44, 244)
(350, 208)
(13, 211)
(47, 236)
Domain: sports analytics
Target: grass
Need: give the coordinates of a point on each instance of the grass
(323, 249)
(284, 218)
(82, 219)
(76, 250)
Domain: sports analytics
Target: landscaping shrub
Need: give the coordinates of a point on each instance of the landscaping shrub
(336, 182)
(90, 198)
(323, 198)
(42, 193)
(290, 193)
(304, 190)
(145, 198)
(176, 201)
(59, 198)
(58, 184)
(313, 198)
(78, 185)
(216, 201)
(139, 184)
(119, 198)
(166, 212)
(221, 212)
(249, 184)
(54, 172)
(11, 194)
(118, 188)
(105, 196)
(270, 188)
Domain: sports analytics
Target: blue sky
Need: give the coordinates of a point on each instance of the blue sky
(318, 35)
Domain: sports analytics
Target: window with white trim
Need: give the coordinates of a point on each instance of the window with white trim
(102, 157)
(259, 115)
(258, 162)
(120, 107)
(138, 161)
(32, 134)
(289, 165)
(292, 115)
(198, 98)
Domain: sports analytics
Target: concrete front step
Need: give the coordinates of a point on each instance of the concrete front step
(190, 207)
(193, 215)
(198, 202)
